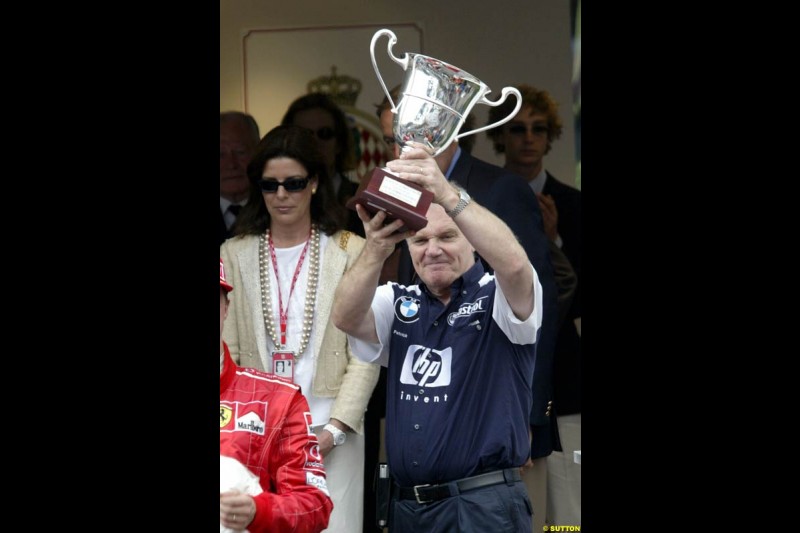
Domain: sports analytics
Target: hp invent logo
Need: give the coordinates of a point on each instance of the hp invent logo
(425, 367)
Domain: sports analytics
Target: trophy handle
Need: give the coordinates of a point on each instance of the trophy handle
(504, 94)
(402, 62)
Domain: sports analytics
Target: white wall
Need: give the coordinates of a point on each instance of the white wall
(503, 43)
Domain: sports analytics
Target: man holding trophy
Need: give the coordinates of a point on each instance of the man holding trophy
(460, 349)
(423, 116)
(512, 200)
(506, 195)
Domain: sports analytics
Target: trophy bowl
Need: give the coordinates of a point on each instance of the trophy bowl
(434, 101)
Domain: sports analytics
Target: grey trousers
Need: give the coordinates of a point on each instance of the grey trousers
(498, 508)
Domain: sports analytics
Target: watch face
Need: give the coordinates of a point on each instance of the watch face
(339, 436)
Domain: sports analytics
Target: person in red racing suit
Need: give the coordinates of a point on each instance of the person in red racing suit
(264, 423)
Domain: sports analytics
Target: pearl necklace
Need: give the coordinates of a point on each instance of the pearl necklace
(311, 290)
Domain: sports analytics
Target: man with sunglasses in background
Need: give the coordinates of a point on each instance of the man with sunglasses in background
(525, 140)
(238, 137)
(318, 113)
(508, 196)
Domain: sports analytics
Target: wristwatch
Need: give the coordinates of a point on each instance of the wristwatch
(463, 201)
(339, 436)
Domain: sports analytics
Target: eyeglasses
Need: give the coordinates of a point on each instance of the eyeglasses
(520, 129)
(289, 184)
(325, 133)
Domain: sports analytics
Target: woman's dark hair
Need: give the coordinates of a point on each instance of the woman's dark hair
(346, 154)
(299, 144)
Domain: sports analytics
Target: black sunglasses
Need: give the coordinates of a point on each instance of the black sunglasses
(325, 133)
(520, 129)
(290, 184)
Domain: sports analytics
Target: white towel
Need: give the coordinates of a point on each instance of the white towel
(234, 475)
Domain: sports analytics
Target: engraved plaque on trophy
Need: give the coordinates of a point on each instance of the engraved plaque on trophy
(435, 99)
(399, 198)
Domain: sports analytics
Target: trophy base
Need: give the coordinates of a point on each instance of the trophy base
(397, 197)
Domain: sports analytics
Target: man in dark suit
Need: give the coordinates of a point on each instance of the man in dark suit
(238, 138)
(511, 199)
(525, 140)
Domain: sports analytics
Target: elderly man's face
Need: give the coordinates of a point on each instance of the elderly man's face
(439, 251)
(235, 151)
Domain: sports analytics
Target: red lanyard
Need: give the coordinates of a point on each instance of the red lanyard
(284, 313)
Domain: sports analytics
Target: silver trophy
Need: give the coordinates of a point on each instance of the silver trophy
(435, 99)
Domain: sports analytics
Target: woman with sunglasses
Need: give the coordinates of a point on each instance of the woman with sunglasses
(287, 256)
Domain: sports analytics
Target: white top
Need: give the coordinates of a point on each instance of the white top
(306, 365)
(537, 183)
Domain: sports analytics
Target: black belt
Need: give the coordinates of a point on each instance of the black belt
(433, 493)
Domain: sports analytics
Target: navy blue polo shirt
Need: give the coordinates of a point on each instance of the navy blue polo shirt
(459, 378)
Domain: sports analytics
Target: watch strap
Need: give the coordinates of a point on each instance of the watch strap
(339, 436)
(463, 201)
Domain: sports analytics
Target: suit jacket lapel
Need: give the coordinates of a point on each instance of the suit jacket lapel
(248, 259)
(460, 171)
(223, 229)
(551, 186)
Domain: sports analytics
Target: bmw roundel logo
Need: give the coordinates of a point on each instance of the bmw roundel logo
(406, 309)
